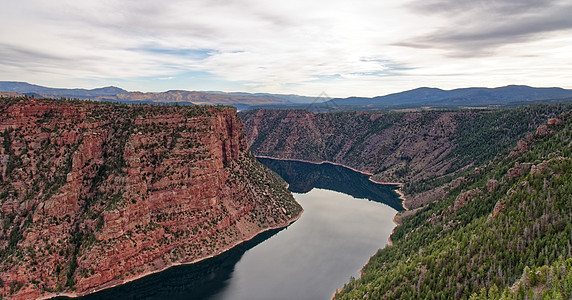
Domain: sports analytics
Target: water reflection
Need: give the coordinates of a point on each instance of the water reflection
(334, 238)
(303, 177)
(196, 281)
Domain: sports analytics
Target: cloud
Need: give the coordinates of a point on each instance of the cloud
(363, 47)
(477, 28)
(495, 7)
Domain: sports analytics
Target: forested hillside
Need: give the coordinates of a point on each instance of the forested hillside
(504, 231)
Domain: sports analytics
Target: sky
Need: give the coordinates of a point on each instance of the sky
(305, 47)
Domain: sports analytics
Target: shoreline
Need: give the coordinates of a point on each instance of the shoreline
(317, 163)
(390, 243)
(398, 184)
(139, 276)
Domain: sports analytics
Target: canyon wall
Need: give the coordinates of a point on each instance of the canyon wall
(423, 150)
(93, 195)
(381, 144)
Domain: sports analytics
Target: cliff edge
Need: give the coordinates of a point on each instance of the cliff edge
(93, 195)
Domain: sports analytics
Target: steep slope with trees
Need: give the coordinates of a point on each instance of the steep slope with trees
(511, 215)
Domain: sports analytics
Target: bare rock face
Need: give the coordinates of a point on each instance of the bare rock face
(521, 146)
(499, 207)
(93, 195)
(543, 130)
(518, 170)
(455, 183)
(466, 197)
(492, 184)
(554, 121)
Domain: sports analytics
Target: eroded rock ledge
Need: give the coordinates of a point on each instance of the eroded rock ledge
(93, 195)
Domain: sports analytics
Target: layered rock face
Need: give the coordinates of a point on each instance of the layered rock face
(92, 195)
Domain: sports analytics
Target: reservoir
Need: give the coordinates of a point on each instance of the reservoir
(346, 219)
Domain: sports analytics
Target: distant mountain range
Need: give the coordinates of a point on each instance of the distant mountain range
(115, 94)
(512, 95)
(465, 97)
(30, 89)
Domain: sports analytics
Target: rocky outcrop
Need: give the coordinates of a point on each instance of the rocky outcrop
(518, 170)
(499, 207)
(93, 195)
(466, 197)
(543, 130)
(492, 184)
(554, 121)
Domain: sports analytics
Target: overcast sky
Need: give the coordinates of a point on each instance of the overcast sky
(342, 48)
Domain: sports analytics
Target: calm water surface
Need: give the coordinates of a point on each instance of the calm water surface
(316, 255)
(346, 219)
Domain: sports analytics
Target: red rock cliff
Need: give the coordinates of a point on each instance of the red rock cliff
(93, 195)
